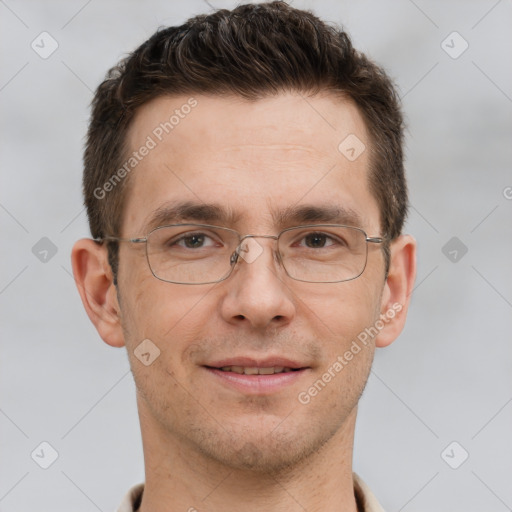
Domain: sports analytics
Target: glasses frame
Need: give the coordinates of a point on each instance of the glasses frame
(233, 260)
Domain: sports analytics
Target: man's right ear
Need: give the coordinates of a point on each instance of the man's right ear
(95, 283)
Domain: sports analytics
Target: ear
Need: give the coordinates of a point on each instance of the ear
(397, 289)
(94, 280)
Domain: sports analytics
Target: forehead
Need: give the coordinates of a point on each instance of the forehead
(253, 159)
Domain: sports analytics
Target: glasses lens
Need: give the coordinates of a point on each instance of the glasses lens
(191, 253)
(323, 254)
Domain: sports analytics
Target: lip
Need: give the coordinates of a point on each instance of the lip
(257, 384)
(250, 362)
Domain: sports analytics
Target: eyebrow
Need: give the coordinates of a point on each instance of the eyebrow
(176, 212)
(171, 213)
(328, 214)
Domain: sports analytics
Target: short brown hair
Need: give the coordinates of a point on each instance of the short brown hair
(252, 51)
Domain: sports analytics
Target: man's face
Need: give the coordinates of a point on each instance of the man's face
(253, 162)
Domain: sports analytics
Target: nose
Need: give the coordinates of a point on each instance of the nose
(257, 295)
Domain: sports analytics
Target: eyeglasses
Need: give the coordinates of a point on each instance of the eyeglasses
(204, 254)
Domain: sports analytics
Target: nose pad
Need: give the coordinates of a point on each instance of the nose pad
(234, 257)
(278, 258)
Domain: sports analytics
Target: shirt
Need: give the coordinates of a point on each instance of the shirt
(365, 499)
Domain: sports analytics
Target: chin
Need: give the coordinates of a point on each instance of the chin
(259, 458)
(271, 452)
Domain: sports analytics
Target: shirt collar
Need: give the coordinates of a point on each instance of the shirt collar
(364, 497)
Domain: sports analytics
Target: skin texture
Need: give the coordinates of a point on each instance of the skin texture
(207, 445)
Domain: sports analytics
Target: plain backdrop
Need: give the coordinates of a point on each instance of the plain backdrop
(442, 392)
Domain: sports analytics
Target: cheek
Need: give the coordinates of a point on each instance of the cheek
(171, 316)
(341, 311)
(171, 319)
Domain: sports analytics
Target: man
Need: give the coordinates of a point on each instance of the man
(246, 194)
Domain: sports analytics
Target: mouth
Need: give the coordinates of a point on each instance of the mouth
(253, 377)
(254, 370)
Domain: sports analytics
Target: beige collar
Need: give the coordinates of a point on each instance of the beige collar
(366, 501)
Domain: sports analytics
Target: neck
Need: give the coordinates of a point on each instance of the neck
(179, 478)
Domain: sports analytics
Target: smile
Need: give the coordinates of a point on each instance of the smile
(260, 380)
(248, 370)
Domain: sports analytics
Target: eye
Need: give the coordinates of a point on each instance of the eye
(194, 241)
(317, 240)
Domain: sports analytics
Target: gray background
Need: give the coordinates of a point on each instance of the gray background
(448, 378)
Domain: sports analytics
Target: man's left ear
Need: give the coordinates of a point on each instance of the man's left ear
(397, 289)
